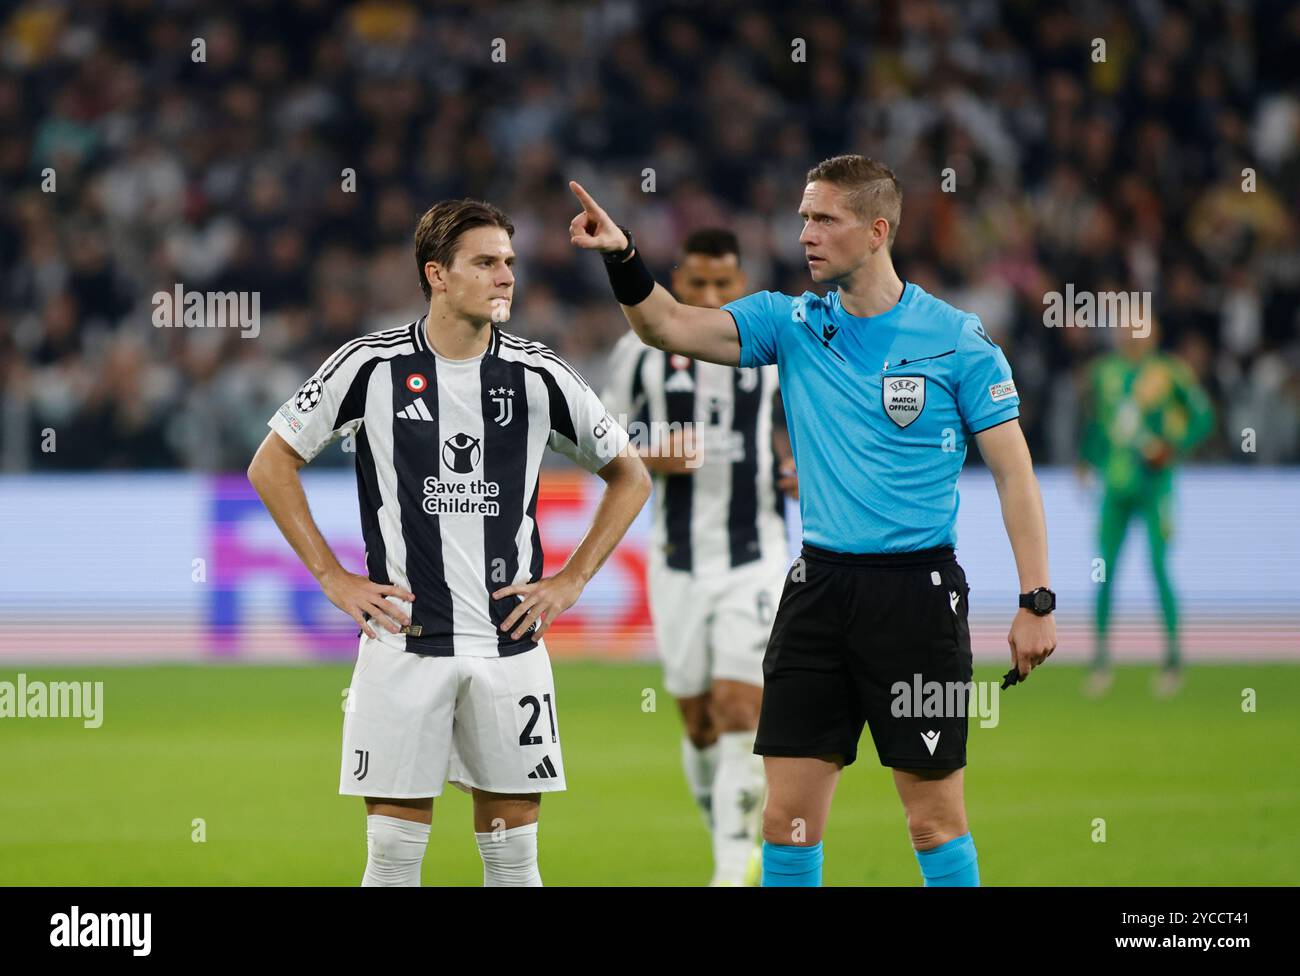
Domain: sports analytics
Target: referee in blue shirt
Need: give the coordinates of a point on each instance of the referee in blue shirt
(884, 385)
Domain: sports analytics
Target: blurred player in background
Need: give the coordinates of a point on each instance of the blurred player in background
(450, 416)
(1144, 412)
(885, 386)
(718, 553)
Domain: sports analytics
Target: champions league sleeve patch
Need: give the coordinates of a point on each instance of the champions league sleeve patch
(1003, 391)
(306, 399)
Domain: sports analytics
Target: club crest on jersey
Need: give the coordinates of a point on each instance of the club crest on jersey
(416, 383)
(461, 453)
(503, 398)
(904, 398)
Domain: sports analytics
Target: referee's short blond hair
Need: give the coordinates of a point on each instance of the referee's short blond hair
(873, 189)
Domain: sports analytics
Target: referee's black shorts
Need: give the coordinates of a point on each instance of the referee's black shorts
(848, 637)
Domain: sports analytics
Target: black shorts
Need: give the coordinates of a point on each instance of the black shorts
(876, 639)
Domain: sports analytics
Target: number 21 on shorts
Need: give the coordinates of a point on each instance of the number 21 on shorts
(534, 709)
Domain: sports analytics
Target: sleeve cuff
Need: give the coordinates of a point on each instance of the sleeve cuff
(740, 338)
(994, 420)
(281, 426)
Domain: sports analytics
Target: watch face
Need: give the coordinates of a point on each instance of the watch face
(1042, 601)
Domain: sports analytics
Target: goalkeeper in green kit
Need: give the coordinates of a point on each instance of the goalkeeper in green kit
(1144, 411)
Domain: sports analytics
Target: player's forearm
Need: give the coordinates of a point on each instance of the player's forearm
(280, 488)
(1026, 524)
(781, 444)
(625, 494)
(667, 464)
(1200, 423)
(676, 454)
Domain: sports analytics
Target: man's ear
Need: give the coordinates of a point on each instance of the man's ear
(879, 233)
(434, 275)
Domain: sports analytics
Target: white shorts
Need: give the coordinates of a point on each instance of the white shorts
(715, 627)
(413, 721)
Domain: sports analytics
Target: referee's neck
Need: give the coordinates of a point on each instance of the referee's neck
(872, 291)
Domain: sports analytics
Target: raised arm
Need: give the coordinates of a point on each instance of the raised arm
(658, 318)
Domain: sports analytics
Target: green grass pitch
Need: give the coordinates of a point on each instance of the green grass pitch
(1192, 790)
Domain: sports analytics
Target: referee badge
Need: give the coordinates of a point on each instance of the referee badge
(904, 398)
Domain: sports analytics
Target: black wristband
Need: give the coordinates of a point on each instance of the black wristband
(618, 257)
(631, 279)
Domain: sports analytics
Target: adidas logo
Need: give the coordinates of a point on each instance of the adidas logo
(545, 770)
(416, 411)
(931, 740)
(679, 382)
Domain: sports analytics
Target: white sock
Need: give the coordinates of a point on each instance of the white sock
(510, 857)
(394, 849)
(738, 792)
(701, 766)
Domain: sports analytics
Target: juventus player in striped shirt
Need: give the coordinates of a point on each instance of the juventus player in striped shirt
(450, 415)
(719, 554)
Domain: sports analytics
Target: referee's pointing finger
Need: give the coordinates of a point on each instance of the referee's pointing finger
(588, 204)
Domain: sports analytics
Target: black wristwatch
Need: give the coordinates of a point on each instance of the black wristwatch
(1040, 601)
(618, 257)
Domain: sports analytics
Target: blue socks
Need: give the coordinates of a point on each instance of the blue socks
(787, 866)
(950, 865)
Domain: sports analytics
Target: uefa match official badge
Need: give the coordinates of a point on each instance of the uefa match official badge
(904, 398)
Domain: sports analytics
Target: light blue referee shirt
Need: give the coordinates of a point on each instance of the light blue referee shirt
(880, 410)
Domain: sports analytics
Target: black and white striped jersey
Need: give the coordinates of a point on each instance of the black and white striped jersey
(728, 511)
(448, 453)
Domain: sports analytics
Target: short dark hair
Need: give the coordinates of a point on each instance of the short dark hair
(715, 242)
(873, 187)
(441, 227)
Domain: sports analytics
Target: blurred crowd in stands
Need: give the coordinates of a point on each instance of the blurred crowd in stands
(288, 147)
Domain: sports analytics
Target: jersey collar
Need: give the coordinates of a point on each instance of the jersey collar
(421, 338)
(905, 299)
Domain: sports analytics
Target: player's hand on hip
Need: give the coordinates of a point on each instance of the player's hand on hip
(542, 602)
(593, 229)
(1157, 453)
(788, 481)
(1032, 640)
(356, 596)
